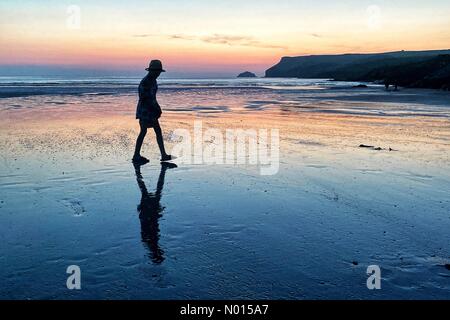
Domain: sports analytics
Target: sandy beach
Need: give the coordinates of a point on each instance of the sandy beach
(69, 194)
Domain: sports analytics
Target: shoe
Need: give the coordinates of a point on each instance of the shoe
(167, 157)
(140, 160)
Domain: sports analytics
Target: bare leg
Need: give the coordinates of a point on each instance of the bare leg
(159, 139)
(139, 141)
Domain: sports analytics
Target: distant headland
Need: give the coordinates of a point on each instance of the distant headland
(420, 69)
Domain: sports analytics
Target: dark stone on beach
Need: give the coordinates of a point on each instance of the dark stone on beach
(360, 86)
(247, 74)
(372, 147)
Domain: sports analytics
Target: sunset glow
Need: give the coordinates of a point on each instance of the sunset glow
(211, 36)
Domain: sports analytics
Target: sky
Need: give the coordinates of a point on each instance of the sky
(207, 38)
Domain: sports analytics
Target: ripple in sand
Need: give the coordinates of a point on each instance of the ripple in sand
(310, 143)
(427, 272)
(211, 109)
(75, 206)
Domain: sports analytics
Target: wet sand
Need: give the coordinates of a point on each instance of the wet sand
(70, 195)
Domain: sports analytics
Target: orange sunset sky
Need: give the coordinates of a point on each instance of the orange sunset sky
(210, 37)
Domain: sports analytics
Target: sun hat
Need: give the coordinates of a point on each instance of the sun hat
(155, 65)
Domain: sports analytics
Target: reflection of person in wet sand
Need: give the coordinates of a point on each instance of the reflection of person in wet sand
(150, 210)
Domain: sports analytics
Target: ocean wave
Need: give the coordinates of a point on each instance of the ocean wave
(29, 86)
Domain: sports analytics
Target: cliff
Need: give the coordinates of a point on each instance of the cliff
(429, 69)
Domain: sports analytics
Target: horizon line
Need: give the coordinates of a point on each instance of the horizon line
(204, 71)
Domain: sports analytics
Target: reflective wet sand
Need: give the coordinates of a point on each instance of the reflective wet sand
(70, 195)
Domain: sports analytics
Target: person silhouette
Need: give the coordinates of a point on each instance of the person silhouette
(148, 112)
(150, 210)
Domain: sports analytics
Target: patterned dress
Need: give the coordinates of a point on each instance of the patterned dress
(148, 109)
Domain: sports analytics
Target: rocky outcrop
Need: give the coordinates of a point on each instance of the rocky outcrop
(247, 74)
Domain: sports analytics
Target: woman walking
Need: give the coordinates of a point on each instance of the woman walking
(148, 112)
